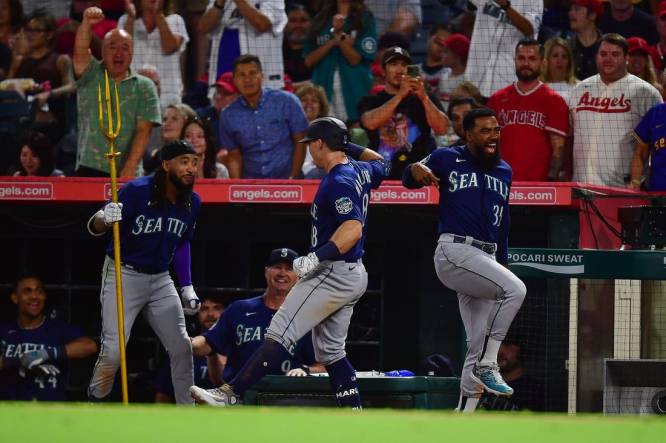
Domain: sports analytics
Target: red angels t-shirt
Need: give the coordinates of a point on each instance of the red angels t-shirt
(526, 120)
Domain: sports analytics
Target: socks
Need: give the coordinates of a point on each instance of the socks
(343, 382)
(266, 360)
(467, 404)
(490, 350)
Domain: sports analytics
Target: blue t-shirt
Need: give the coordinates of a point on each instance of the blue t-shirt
(651, 130)
(15, 341)
(164, 383)
(240, 331)
(149, 233)
(472, 200)
(344, 194)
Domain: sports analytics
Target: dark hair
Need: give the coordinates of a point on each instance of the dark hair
(158, 195)
(295, 7)
(615, 39)
(15, 14)
(209, 166)
(457, 101)
(245, 59)
(440, 27)
(391, 39)
(42, 147)
(529, 41)
(25, 276)
(470, 119)
(44, 17)
(359, 15)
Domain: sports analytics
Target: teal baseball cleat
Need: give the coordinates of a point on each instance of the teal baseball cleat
(489, 376)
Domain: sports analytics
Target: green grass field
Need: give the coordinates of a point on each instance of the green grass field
(33, 422)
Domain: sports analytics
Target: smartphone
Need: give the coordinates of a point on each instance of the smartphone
(413, 70)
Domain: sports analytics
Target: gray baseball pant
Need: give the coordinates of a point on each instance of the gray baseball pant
(322, 302)
(489, 296)
(156, 296)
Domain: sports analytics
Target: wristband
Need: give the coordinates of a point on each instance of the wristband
(327, 252)
(507, 6)
(354, 151)
(58, 353)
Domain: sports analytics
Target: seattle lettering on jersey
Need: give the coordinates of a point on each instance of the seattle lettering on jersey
(603, 104)
(363, 178)
(246, 334)
(458, 181)
(521, 117)
(17, 350)
(143, 225)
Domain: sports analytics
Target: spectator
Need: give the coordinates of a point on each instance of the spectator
(533, 117)
(315, 105)
(339, 50)
(650, 135)
(36, 158)
(658, 51)
(457, 110)
(238, 27)
(11, 19)
(159, 41)
(401, 119)
(224, 95)
(640, 62)
(433, 66)
(210, 311)
(384, 43)
(455, 53)
(139, 104)
(557, 68)
(262, 128)
(241, 329)
(36, 58)
(583, 18)
(35, 348)
(499, 25)
(605, 109)
(173, 123)
(199, 135)
(468, 89)
(295, 34)
(402, 16)
(196, 56)
(57, 9)
(628, 21)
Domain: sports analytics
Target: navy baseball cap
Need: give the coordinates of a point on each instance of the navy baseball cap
(281, 255)
(396, 53)
(331, 130)
(175, 148)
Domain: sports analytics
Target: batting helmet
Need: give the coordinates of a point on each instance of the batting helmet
(329, 129)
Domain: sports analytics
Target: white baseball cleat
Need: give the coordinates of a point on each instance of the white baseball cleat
(220, 397)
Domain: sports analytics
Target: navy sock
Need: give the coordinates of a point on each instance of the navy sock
(343, 382)
(265, 360)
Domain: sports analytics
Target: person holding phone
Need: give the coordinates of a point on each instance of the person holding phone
(401, 121)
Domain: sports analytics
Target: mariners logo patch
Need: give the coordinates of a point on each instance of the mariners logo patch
(369, 44)
(343, 205)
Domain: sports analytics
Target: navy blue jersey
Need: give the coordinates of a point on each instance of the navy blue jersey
(15, 341)
(344, 194)
(472, 200)
(240, 331)
(149, 233)
(163, 381)
(652, 131)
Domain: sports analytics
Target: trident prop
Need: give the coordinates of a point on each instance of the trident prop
(111, 135)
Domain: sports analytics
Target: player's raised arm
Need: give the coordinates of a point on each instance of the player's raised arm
(418, 175)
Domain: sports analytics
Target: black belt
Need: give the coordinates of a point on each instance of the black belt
(140, 269)
(488, 248)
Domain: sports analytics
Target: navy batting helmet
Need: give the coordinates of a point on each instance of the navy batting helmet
(331, 130)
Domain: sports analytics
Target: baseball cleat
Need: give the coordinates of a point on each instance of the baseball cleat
(491, 380)
(220, 397)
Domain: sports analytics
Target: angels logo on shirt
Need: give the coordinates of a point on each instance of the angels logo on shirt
(609, 105)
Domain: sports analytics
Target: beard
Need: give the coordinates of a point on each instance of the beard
(525, 77)
(183, 188)
(487, 161)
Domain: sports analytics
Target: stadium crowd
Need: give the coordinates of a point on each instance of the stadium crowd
(577, 85)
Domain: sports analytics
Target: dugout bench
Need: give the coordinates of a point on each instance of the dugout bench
(376, 392)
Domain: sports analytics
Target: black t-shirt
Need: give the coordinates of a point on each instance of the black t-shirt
(294, 64)
(641, 24)
(584, 58)
(406, 138)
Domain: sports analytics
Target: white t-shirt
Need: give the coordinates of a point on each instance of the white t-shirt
(265, 45)
(386, 10)
(563, 88)
(148, 52)
(490, 65)
(447, 84)
(604, 117)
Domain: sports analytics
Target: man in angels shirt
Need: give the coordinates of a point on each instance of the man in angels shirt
(533, 117)
(605, 109)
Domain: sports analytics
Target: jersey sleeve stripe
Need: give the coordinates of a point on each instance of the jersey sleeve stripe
(556, 131)
(638, 138)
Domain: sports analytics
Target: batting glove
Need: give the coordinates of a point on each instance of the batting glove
(297, 372)
(31, 359)
(113, 212)
(191, 302)
(305, 264)
(40, 371)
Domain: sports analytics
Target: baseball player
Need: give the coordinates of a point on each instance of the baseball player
(650, 137)
(471, 254)
(333, 277)
(157, 215)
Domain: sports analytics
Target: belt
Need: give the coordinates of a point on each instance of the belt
(488, 248)
(140, 269)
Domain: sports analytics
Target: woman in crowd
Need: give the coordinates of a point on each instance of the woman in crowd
(11, 19)
(340, 49)
(36, 157)
(557, 69)
(315, 105)
(199, 134)
(173, 122)
(640, 63)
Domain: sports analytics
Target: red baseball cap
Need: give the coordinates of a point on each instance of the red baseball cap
(458, 44)
(637, 44)
(595, 6)
(226, 82)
